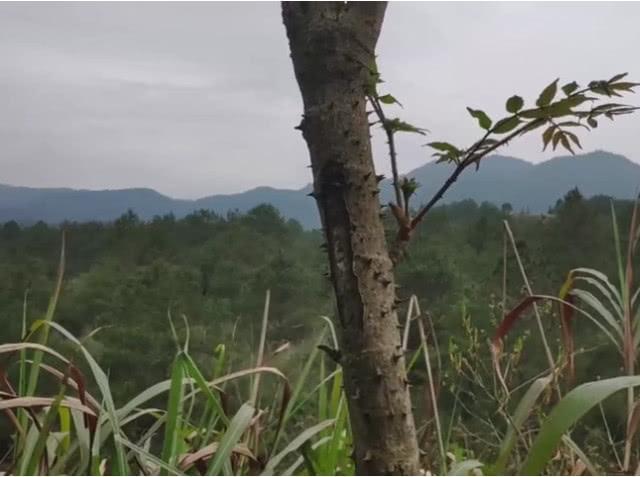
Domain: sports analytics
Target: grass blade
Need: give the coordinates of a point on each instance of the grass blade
(173, 422)
(522, 412)
(102, 381)
(294, 445)
(44, 335)
(231, 437)
(565, 414)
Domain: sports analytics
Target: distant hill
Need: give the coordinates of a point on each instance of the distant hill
(534, 187)
(500, 179)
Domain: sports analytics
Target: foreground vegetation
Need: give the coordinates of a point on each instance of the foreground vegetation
(152, 347)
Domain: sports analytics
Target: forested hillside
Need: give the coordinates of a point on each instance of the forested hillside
(125, 277)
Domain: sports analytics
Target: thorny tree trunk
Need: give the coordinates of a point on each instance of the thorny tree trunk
(332, 48)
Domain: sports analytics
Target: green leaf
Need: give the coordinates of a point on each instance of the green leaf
(505, 125)
(39, 448)
(514, 104)
(547, 135)
(576, 100)
(602, 88)
(617, 77)
(295, 444)
(547, 94)
(120, 466)
(48, 318)
(483, 120)
(573, 138)
(444, 146)
(231, 437)
(565, 142)
(570, 88)
(397, 125)
(556, 139)
(173, 424)
(389, 99)
(573, 124)
(624, 86)
(522, 412)
(565, 414)
(192, 370)
(443, 157)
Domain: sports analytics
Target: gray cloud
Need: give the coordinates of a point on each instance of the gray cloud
(199, 98)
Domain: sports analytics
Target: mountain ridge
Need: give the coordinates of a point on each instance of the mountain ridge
(500, 179)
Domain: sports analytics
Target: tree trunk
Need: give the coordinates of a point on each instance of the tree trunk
(332, 48)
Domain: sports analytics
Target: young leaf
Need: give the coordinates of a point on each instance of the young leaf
(601, 87)
(624, 86)
(483, 120)
(389, 99)
(565, 143)
(573, 138)
(514, 104)
(506, 125)
(573, 124)
(547, 94)
(617, 77)
(444, 146)
(570, 88)
(397, 125)
(547, 135)
(556, 139)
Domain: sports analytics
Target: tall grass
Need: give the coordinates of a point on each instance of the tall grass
(185, 425)
(77, 432)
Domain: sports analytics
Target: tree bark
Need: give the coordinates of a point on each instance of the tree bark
(332, 47)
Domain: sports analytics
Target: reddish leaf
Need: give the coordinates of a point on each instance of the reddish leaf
(510, 318)
(90, 421)
(566, 322)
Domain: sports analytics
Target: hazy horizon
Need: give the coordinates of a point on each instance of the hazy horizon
(199, 99)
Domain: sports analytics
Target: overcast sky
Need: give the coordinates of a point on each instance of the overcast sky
(200, 98)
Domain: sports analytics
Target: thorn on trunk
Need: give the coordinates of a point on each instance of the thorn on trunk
(300, 127)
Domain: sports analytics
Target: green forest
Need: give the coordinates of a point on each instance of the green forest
(127, 283)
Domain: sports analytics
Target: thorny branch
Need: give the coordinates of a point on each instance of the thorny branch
(517, 124)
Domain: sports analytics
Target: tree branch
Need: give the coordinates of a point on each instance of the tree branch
(377, 107)
(470, 158)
